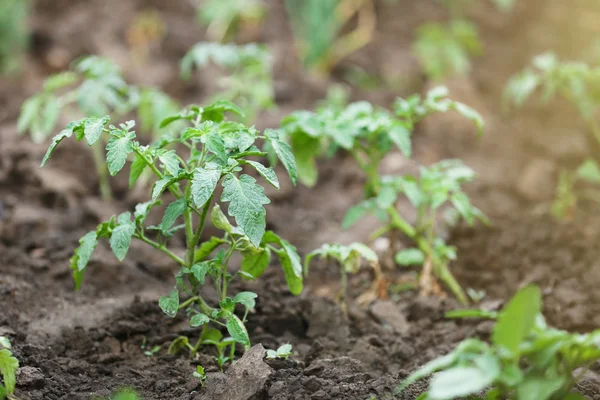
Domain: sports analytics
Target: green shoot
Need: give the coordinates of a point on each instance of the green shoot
(250, 82)
(218, 150)
(369, 133)
(8, 368)
(525, 360)
(122, 394)
(14, 33)
(200, 374)
(284, 352)
(225, 17)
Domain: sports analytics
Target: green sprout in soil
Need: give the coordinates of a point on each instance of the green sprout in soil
(526, 358)
(224, 18)
(579, 84)
(217, 151)
(8, 368)
(369, 133)
(349, 258)
(122, 394)
(14, 33)
(200, 374)
(250, 82)
(283, 352)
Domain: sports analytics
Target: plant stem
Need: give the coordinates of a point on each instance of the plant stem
(102, 171)
(162, 248)
(191, 251)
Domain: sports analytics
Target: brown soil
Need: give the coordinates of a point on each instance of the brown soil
(86, 344)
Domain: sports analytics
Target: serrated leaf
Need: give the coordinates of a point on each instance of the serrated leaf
(9, 366)
(121, 236)
(517, 319)
(285, 155)
(246, 299)
(118, 148)
(219, 220)
(204, 183)
(170, 162)
(172, 212)
(400, 135)
(246, 200)
(170, 304)
(199, 271)
(255, 262)
(265, 172)
(199, 320)
(87, 244)
(93, 127)
(237, 330)
(160, 186)
(65, 133)
(136, 169)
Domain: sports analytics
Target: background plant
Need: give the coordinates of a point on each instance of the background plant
(579, 84)
(8, 367)
(14, 32)
(369, 133)
(224, 17)
(250, 79)
(526, 359)
(317, 26)
(284, 352)
(94, 87)
(217, 151)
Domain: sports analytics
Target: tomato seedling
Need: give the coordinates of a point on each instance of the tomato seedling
(217, 151)
(8, 367)
(526, 359)
(369, 133)
(284, 352)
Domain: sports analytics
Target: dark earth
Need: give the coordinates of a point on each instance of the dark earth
(78, 345)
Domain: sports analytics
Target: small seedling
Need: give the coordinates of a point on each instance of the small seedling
(149, 352)
(349, 258)
(283, 352)
(224, 346)
(250, 82)
(579, 84)
(122, 394)
(369, 133)
(225, 17)
(218, 150)
(14, 33)
(525, 360)
(8, 367)
(200, 374)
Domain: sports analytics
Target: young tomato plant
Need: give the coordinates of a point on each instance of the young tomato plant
(525, 360)
(284, 352)
(250, 82)
(579, 84)
(219, 150)
(349, 258)
(369, 134)
(8, 368)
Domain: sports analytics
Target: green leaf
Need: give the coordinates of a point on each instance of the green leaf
(87, 244)
(142, 210)
(121, 236)
(137, 167)
(172, 212)
(246, 205)
(589, 171)
(199, 320)
(400, 135)
(65, 133)
(539, 387)
(118, 148)
(60, 80)
(216, 111)
(246, 298)
(170, 304)
(178, 345)
(471, 314)
(356, 212)
(458, 382)
(160, 186)
(170, 162)
(293, 275)
(266, 173)
(207, 247)
(387, 197)
(93, 127)
(255, 262)
(516, 319)
(285, 155)
(204, 183)
(365, 252)
(199, 271)
(428, 369)
(306, 149)
(237, 330)
(4, 342)
(9, 366)
(219, 219)
(409, 257)
(29, 111)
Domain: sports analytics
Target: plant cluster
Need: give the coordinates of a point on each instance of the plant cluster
(579, 84)
(369, 133)
(14, 33)
(526, 358)
(93, 88)
(250, 80)
(217, 151)
(8, 368)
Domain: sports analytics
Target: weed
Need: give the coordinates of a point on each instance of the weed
(525, 360)
(369, 133)
(219, 149)
(8, 367)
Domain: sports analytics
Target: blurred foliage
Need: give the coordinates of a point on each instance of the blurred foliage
(224, 17)
(14, 33)
(147, 30)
